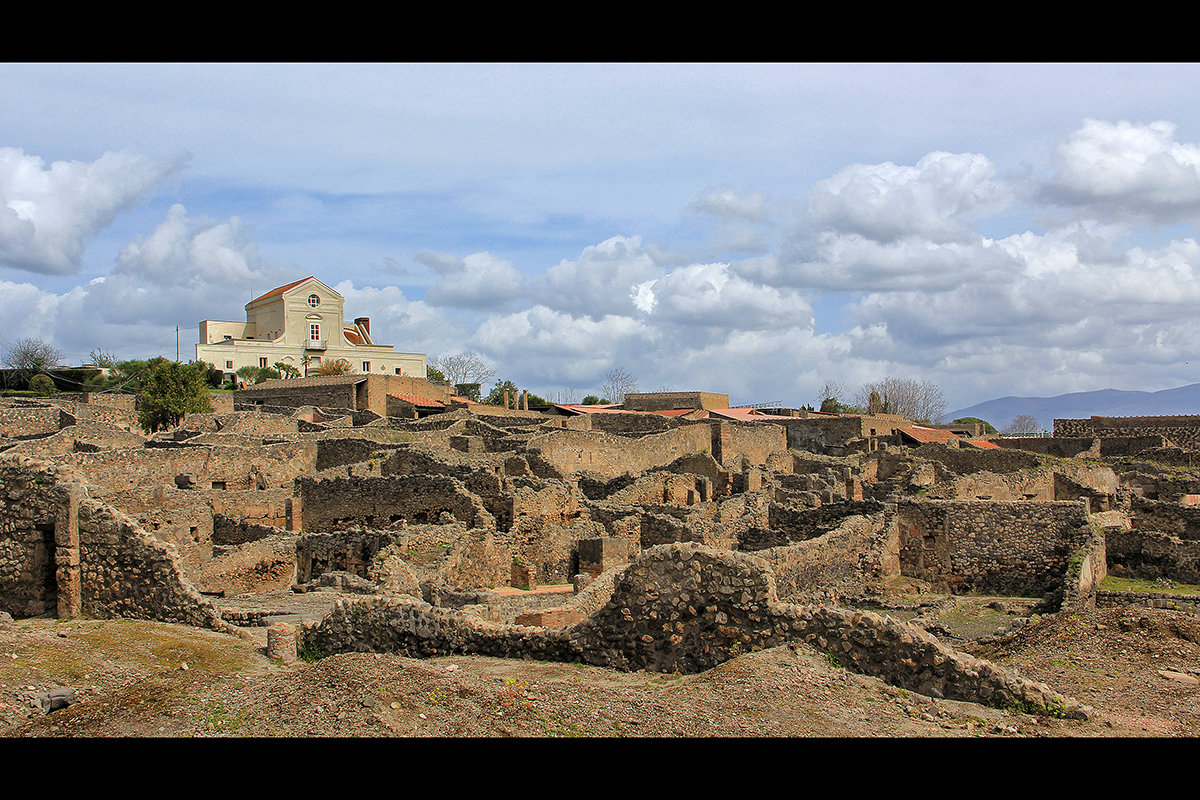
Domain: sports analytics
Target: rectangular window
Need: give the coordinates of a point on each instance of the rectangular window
(262, 363)
(397, 370)
(228, 365)
(314, 331)
(366, 366)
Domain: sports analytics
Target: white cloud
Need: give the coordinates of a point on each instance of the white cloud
(47, 214)
(1127, 171)
(479, 281)
(714, 295)
(935, 199)
(603, 280)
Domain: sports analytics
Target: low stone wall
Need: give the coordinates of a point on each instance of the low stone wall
(688, 608)
(1175, 602)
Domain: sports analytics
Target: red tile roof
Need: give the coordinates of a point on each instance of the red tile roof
(281, 289)
(744, 414)
(353, 336)
(417, 400)
(986, 445)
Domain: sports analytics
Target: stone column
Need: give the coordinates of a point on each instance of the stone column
(68, 575)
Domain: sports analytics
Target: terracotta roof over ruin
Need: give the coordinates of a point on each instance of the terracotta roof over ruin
(928, 435)
(417, 400)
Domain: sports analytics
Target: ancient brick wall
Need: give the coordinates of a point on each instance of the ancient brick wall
(1149, 555)
(1169, 518)
(789, 525)
(337, 503)
(1002, 548)
(568, 451)
(62, 553)
(687, 607)
(735, 442)
(32, 420)
(213, 466)
(1182, 431)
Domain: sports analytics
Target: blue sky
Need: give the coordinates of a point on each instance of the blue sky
(748, 228)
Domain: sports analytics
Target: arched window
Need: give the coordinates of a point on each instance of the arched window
(314, 301)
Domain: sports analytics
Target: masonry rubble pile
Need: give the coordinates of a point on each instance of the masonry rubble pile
(664, 541)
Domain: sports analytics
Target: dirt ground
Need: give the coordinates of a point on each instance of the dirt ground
(1138, 668)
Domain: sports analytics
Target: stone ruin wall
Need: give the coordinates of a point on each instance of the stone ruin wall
(211, 466)
(1182, 431)
(338, 503)
(1018, 549)
(688, 608)
(568, 451)
(64, 554)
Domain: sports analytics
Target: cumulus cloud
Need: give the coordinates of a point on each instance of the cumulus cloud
(603, 280)
(715, 295)
(479, 281)
(1127, 171)
(935, 199)
(47, 214)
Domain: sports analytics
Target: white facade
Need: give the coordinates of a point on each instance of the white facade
(300, 324)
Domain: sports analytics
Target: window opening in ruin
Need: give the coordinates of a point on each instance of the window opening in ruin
(397, 370)
(218, 484)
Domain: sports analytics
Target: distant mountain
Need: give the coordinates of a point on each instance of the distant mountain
(1081, 405)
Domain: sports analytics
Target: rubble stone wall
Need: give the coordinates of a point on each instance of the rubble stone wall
(1002, 548)
(687, 607)
(267, 466)
(570, 451)
(338, 503)
(1182, 431)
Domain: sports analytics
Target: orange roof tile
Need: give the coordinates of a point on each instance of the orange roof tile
(353, 336)
(986, 445)
(417, 400)
(280, 289)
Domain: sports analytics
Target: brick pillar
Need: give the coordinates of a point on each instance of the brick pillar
(68, 575)
(295, 517)
(720, 441)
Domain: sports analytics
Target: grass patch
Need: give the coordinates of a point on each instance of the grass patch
(1113, 584)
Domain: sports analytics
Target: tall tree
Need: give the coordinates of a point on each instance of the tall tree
(170, 390)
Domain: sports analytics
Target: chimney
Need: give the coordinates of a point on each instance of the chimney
(365, 322)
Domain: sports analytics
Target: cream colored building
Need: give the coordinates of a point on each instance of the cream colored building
(300, 324)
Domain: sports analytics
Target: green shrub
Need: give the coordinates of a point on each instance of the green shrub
(41, 385)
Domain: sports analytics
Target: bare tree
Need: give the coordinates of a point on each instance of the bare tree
(1023, 425)
(832, 390)
(617, 384)
(33, 355)
(463, 368)
(921, 401)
